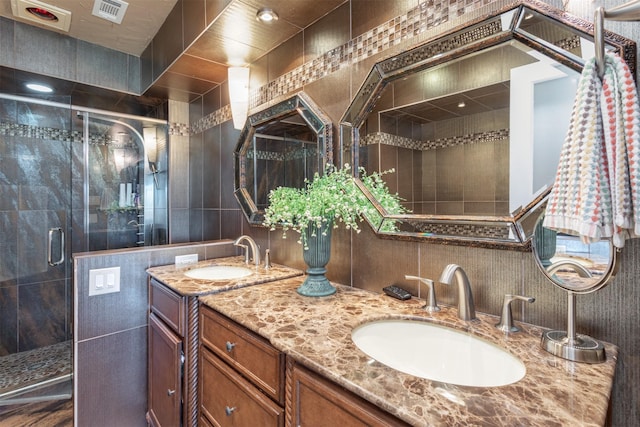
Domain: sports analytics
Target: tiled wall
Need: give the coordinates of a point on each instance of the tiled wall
(69, 59)
(110, 333)
(365, 261)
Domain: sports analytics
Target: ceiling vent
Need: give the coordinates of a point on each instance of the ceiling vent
(42, 13)
(111, 10)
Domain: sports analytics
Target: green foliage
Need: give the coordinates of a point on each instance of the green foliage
(330, 198)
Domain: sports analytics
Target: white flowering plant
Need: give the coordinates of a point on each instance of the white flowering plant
(332, 198)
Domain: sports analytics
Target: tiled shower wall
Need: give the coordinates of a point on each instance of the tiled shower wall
(365, 261)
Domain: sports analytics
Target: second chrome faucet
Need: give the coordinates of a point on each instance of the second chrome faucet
(255, 251)
(466, 308)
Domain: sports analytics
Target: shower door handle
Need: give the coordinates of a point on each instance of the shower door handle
(50, 249)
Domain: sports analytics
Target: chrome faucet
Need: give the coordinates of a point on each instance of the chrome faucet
(254, 249)
(466, 308)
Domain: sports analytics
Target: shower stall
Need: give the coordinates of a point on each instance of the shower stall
(72, 180)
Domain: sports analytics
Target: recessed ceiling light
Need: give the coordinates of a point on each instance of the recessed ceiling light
(266, 15)
(461, 104)
(39, 87)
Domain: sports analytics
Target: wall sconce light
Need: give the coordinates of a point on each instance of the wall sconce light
(238, 78)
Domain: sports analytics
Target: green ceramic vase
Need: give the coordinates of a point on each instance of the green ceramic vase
(317, 257)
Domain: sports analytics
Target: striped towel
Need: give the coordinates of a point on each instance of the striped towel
(596, 193)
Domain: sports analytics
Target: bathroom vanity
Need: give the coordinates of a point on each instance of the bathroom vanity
(173, 331)
(243, 381)
(326, 373)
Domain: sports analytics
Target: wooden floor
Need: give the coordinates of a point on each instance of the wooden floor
(56, 413)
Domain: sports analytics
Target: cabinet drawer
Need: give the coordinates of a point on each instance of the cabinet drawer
(227, 399)
(253, 356)
(316, 401)
(168, 305)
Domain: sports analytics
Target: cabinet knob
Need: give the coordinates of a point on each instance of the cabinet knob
(230, 346)
(170, 392)
(229, 411)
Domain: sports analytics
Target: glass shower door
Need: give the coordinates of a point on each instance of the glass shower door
(125, 186)
(36, 175)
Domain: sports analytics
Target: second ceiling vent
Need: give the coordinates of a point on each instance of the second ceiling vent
(111, 10)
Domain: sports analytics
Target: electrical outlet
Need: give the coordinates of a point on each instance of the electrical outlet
(104, 281)
(184, 260)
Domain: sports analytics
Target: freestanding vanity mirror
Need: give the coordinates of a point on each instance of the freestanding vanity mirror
(578, 268)
(473, 122)
(280, 146)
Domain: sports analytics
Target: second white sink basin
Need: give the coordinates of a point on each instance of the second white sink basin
(438, 353)
(219, 272)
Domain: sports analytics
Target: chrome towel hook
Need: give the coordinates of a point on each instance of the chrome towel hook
(625, 12)
(598, 39)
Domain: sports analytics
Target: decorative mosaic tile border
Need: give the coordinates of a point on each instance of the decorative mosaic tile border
(469, 230)
(180, 129)
(569, 44)
(54, 134)
(289, 155)
(448, 44)
(413, 144)
(265, 155)
(214, 119)
(38, 132)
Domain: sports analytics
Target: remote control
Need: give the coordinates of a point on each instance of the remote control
(396, 292)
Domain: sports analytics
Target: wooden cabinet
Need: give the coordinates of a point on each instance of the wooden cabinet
(228, 399)
(242, 384)
(314, 401)
(172, 358)
(165, 379)
(241, 375)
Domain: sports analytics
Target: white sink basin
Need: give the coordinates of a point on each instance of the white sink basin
(219, 272)
(438, 353)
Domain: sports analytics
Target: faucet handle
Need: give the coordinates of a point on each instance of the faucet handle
(244, 248)
(267, 259)
(506, 318)
(431, 305)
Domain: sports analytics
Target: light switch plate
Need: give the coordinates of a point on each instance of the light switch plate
(104, 281)
(184, 260)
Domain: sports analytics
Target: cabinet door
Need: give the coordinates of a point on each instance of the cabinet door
(165, 374)
(227, 399)
(318, 402)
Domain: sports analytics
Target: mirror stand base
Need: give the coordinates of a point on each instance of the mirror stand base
(582, 348)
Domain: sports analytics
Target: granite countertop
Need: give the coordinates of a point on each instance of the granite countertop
(316, 332)
(174, 277)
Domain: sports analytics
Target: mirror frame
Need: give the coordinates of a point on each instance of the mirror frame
(473, 36)
(315, 119)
